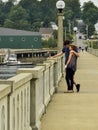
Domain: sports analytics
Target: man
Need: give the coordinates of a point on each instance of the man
(66, 49)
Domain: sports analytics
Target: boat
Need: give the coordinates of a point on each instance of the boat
(12, 61)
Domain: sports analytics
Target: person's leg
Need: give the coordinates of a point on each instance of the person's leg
(77, 85)
(71, 78)
(68, 78)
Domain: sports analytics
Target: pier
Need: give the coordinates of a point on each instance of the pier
(34, 99)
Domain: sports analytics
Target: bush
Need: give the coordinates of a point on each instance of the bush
(51, 43)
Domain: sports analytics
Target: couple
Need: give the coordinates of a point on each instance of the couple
(71, 54)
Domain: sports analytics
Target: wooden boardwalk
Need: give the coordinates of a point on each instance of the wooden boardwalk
(76, 111)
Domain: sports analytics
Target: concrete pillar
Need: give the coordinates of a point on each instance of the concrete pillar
(60, 31)
(56, 77)
(34, 121)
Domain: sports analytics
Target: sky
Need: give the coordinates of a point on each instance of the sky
(94, 1)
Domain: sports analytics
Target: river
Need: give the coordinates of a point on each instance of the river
(10, 71)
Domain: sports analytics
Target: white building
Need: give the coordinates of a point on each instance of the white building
(96, 27)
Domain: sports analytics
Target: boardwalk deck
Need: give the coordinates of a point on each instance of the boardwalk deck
(76, 111)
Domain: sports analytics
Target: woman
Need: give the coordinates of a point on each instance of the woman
(71, 68)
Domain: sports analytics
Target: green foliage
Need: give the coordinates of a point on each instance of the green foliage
(17, 18)
(74, 7)
(69, 37)
(46, 22)
(35, 26)
(89, 16)
(4, 11)
(55, 34)
(51, 43)
(34, 12)
(17, 13)
(91, 29)
(90, 13)
(29, 14)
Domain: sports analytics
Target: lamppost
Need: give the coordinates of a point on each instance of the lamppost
(65, 33)
(75, 37)
(60, 6)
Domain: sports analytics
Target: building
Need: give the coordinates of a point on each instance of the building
(96, 27)
(46, 33)
(19, 39)
(80, 25)
(54, 26)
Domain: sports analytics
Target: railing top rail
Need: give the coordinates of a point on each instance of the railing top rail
(4, 90)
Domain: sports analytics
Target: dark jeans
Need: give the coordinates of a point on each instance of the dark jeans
(69, 78)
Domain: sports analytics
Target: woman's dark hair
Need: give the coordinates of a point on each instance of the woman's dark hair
(67, 42)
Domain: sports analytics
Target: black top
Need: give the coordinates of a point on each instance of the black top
(73, 62)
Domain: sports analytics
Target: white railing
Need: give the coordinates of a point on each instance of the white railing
(24, 97)
(93, 51)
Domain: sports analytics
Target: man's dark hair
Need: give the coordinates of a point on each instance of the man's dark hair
(67, 42)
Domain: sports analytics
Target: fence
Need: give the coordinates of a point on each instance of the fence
(93, 51)
(24, 97)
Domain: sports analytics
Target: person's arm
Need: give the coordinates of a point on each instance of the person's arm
(69, 58)
(76, 53)
(59, 54)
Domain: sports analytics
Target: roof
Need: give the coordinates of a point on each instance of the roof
(46, 30)
(14, 32)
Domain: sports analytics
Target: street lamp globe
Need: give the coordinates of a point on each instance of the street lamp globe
(75, 29)
(60, 5)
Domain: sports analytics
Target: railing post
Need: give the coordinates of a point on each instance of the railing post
(56, 77)
(37, 107)
(34, 121)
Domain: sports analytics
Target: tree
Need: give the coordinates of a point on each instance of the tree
(17, 18)
(36, 26)
(90, 16)
(46, 22)
(91, 30)
(89, 13)
(55, 34)
(74, 6)
(4, 11)
(33, 13)
(72, 12)
(2, 17)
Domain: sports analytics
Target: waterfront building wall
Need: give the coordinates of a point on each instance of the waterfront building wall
(19, 39)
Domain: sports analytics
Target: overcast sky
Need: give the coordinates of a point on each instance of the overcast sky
(94, 1)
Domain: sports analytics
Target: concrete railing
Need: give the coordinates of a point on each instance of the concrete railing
(93, 51)
(24, 97)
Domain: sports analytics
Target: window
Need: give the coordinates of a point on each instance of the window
(23, 39)
(35, 39)
(11, 39)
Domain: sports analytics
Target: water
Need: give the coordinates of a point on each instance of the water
(10, 71)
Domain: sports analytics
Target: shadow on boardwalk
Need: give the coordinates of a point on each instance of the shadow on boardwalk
(76, 111)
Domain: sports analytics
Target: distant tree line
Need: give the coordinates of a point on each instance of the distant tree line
(33, 14)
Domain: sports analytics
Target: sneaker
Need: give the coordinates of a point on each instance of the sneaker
(78, 87)
(70, 91)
